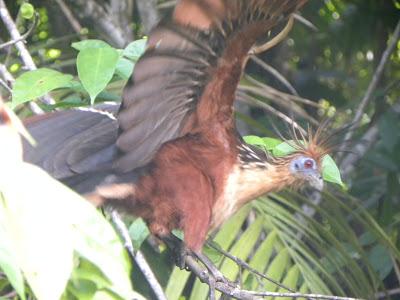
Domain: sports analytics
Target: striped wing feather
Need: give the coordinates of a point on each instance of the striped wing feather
(190, 72)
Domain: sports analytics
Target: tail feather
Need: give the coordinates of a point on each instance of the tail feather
(73, 142)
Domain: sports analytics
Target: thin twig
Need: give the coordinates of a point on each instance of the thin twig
(276, 74)
(9, 80)
(370, 137)
(70, 17)
(251, 100)
(373, 84)
(24, 36)
(148, 13)
(24, 53)
(137, 255)
(233, 290)
(246, 266)
(387, 294)
(305, 22)
(287, 97)
(5, 85)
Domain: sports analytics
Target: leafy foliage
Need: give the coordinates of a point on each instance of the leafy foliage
(43, 245)
(348, 245)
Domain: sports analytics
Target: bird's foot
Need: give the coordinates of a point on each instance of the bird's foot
(181, 252)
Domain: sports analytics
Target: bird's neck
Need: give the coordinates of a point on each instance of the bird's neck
(252, 176)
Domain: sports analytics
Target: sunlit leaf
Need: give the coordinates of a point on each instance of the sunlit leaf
(138, 232)
(124, 68)
(34, 84)
(90, 44)
(8, 261)
(46, 231)
(276, 269)
(38, 229)
(254, 140)
(135, 49)
(271, 143)
(96, 67)
(330, 171)
(284, 149)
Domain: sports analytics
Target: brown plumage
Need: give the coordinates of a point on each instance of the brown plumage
(176, 123)
(199, 177)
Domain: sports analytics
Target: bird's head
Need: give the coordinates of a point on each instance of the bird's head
(304, 165)
(305, 168)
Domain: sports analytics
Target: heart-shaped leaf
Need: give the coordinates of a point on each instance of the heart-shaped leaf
(96, 67)
(330, 171)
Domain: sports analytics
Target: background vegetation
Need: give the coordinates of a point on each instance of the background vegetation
(340, 242)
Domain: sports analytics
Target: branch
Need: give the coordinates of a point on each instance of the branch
(16, 36)
(148, 13)
(137, 255)
(105, 21)
(254, 101)
(367, 141)
(276, 74)
(246, 266)
(387, 294)
(373, 85)
(70, 17)
(24, 36)
(9, 80)
(232, 290)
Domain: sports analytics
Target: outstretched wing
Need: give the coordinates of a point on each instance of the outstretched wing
(190, 71)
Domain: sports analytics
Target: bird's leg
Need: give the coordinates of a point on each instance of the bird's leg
(181, 251)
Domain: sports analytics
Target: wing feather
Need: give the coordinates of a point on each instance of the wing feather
(190, 72)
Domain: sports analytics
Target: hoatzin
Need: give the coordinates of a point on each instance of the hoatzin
(171, 153)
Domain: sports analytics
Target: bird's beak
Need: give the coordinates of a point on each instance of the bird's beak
(316, 181)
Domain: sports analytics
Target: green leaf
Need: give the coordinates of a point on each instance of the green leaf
(176, 283)
(277, 268)
(38, 230)
(90, 44)
(45, 232)
(330, 171)
(254, 140)
(242, 248)
(214, 255)
(135, 49)
(290, 280)
(271, 143)
(27, 11)
(8, 261)
(379, 257)
(138, 232)
(124, 68)
(96, 67)
(284, 149)
(34, 84)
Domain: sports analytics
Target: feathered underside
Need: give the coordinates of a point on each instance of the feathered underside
(190, 72)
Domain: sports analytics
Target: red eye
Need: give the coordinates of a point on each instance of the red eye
(308, 164)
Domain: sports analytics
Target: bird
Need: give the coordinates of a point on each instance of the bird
(170, 153)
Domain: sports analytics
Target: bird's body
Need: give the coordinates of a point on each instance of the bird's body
(176, 120)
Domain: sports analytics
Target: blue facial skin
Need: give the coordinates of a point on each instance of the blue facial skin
(305, 168)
